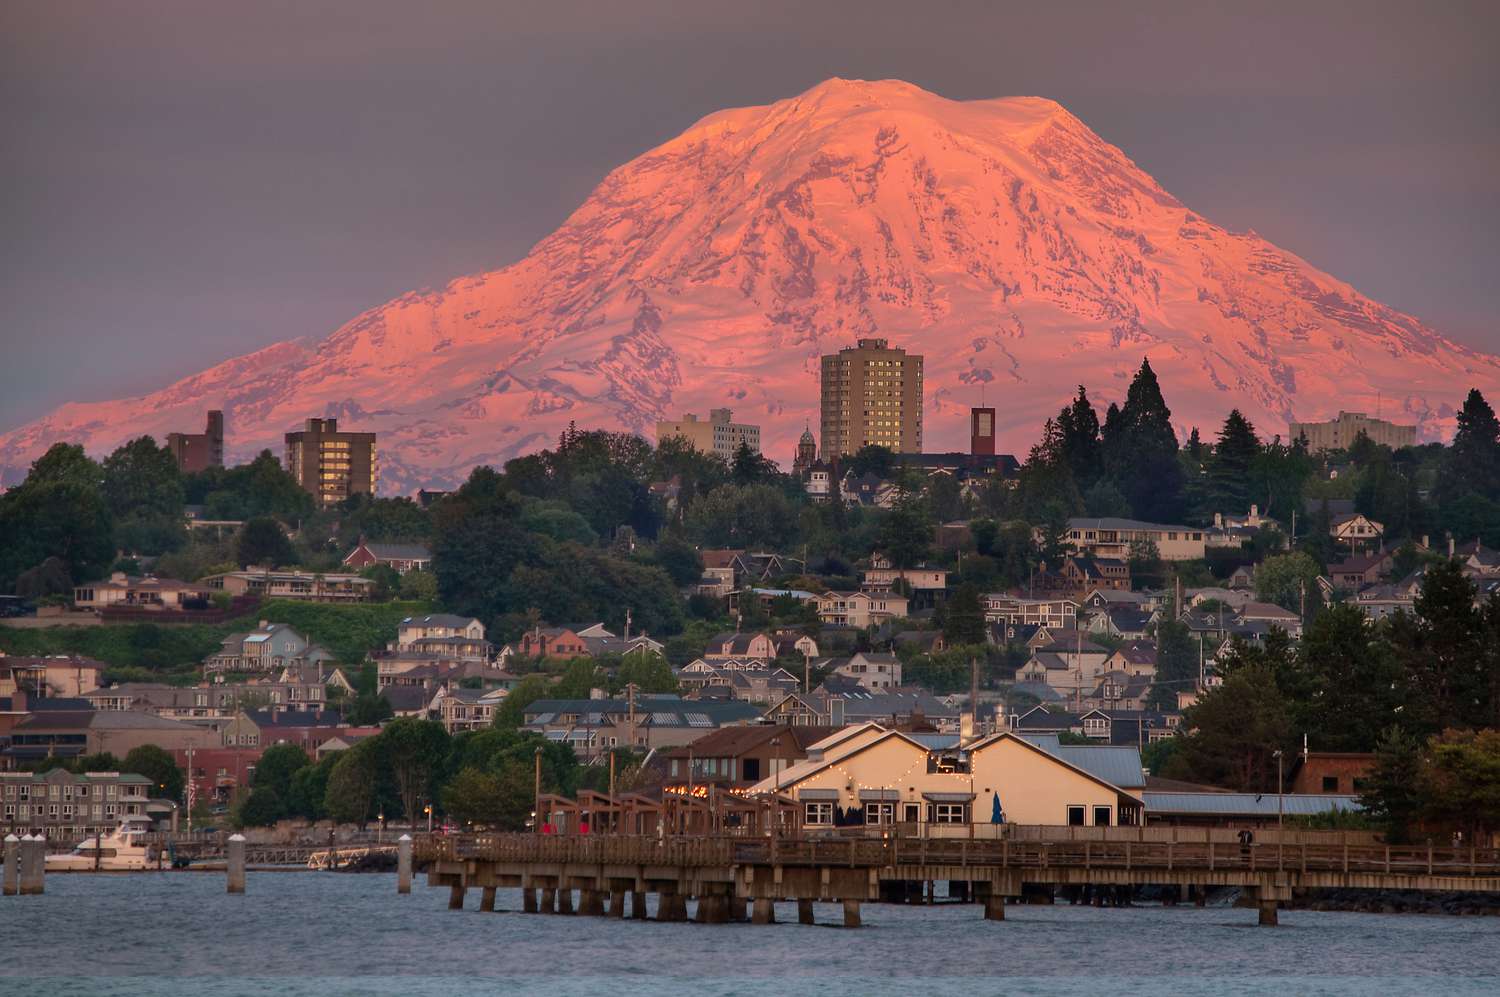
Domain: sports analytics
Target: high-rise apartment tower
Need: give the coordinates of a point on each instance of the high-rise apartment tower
(871, 394)
(330, 464)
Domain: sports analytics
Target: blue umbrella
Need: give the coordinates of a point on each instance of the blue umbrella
(997, 815)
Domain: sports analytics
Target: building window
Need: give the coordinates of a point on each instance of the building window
(948, 813)
(880, 813)
(911, 813)
(1101, 817)
(819, 813)
(1076, 816)
(1330, 784)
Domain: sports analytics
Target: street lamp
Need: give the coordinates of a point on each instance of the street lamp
(428, 808)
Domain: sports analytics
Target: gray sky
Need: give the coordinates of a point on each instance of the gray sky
(182, 182)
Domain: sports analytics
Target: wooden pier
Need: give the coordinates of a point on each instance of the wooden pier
(741, 877)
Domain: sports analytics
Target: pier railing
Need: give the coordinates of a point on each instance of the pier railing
(1029, 851)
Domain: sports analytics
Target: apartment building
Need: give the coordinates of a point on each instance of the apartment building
(1111, 537)
(65, 807)
(196, 452)
(720, 435)
(329, 464)
(871, 394)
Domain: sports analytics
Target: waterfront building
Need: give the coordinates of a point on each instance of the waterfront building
(66, 807)
(720, 435)
(196, 452)
(329, 464)
(1339, 433)
(871, 394)
(891, 777)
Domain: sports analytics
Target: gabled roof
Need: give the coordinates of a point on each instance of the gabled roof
(438, 620)
(397, 551)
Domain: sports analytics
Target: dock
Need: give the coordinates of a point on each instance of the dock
(741, 877)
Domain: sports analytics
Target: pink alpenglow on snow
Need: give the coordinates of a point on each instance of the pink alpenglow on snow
(1017, 251)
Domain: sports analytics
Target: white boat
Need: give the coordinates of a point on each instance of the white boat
(122, 850)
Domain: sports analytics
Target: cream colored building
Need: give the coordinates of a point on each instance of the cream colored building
(871, 394)
(859, 609)
(720, 435)
(1111, 537)
(894, 779)
(1339, 433)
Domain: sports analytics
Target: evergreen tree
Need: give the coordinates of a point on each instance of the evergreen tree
(1146, 466)
(1229, 481)
(1393, 794)
(963, 617)
(1473, 462)
(1081, 447)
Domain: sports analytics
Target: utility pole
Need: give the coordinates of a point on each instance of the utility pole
(537, 792)
(611, 775)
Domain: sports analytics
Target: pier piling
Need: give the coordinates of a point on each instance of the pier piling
(487, 899)
(638, 904)
(851, 914)
(764, 911)
(403, 864)
(33, 865)
(528, 900)
(235, 863)
(804, 912)
(565, 901)
(617, 903)
(12, 865)
(549, 900)
(456, 896)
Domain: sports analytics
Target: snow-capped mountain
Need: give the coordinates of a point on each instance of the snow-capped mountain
(1002, 239)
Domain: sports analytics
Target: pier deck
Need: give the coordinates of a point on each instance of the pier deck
(725, 873)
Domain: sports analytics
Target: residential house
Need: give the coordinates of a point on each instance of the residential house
(1083, 573)
(270, 647)
(1272, 615)
(140, 592)
(461, 709)
(1000, 606)
(757, 646)
(893, 778)
(1116, 726)
(872, 671)
(403, 557)
(1113, 538)
(736, 758)
(1120, 690)
(551, 642)
(1137, 659)
(1126, 624)
(1359, 570)
(302, 586)
(883, 574)
(860, 609)
(826, 709)
(414, 632)
(1356, 529)
(793, 644)
(1070, 667)
(64, 675)
(593, 726)
(262, 729)
(923, 641)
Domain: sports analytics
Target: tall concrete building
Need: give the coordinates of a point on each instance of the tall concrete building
(196, 452)
(872, 394)
(1337, 434)
(330, 464)
(719, 435)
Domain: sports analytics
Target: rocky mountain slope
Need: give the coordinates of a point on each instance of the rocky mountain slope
(1002, 239)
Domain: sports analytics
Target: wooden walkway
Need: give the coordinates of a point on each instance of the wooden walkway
(727, 873)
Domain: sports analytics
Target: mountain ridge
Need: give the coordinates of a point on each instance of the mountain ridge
(1003, 239)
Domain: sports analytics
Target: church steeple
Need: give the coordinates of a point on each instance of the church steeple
(807, 453)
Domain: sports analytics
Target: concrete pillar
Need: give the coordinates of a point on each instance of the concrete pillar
(764, 911)
(1267, 912)
(851, 913)
(617, 903)
(456, 896)
(403, 864)
(994, 908)
(549, 900)
(565, 901)
(638, 904)
(12, 865)
(528, 900)
(235, 854)
(33, 865)
(487, 899)
(804, 912)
